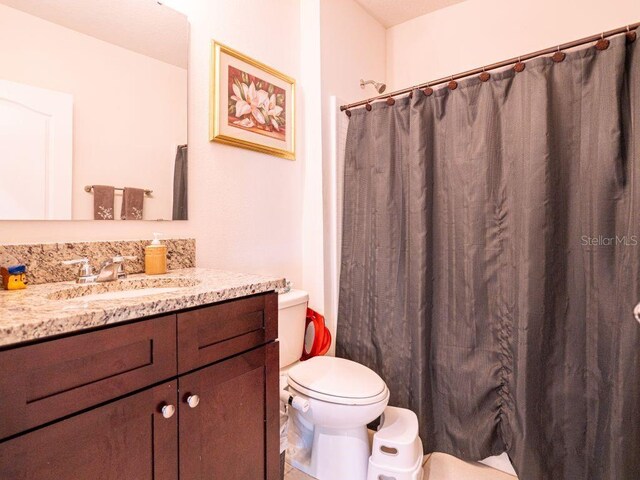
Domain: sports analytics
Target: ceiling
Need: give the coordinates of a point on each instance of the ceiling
(393, 12)
(143, 26)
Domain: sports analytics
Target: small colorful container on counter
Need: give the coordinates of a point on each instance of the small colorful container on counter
(14, 277)
(13, 272)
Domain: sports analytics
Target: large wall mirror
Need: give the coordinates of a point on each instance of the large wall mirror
(93, 110)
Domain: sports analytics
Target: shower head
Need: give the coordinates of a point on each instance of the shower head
(379, 86)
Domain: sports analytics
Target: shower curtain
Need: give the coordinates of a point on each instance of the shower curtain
(490, 263)
(180, 184)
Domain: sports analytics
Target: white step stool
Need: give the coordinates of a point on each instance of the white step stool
(397, 448)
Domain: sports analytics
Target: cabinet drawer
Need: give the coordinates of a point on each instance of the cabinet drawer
(46, 381)
(212, 333)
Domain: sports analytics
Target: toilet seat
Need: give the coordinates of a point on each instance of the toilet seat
(337, 380)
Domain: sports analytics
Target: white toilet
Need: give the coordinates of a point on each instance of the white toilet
(292, 315)
(343, 397)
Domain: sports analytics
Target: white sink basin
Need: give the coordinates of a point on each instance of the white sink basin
(118, 295)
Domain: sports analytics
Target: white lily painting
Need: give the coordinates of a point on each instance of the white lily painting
(252, 104)
(256, 105)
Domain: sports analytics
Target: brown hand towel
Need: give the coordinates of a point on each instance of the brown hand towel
(132, 200)
(103, 202)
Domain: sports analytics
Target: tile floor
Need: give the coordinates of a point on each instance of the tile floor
(291, 473)
(437, 466)
(440, 466)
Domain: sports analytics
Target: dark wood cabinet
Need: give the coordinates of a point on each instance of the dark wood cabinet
(90, 406)
(206, 335)
(227, 434)
(125, 439)
(49, 380)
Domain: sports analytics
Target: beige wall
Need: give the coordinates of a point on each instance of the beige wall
(130, 110)
(312, 220)
(479, 32)
(245, 207)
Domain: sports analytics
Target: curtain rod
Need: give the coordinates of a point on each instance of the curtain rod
(631, 35)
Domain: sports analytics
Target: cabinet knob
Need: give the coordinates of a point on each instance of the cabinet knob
(193, 400)
(168, 411)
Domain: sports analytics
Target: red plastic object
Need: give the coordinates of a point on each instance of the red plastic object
(321, 338)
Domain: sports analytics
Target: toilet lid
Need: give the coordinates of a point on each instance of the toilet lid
(338, 380)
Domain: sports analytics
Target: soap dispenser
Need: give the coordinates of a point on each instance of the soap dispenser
(155, 257)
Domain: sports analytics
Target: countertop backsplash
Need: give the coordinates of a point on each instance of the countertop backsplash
(43, 260)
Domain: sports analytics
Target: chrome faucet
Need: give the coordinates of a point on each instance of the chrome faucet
(85, 273)
(113, 269)
(110, 270)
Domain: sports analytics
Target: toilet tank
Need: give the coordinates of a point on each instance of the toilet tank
(292, 315)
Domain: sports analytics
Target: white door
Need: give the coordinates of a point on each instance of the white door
(36, 150)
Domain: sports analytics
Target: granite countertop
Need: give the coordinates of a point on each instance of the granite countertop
(54, 308)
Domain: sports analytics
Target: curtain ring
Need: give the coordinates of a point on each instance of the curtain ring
(631, 35)
(368, 107)
(558, 56)
(520, 66)
(428, 91)
(347, 112)
(452, 84)
(390, 101)
(484, 76)
(603, 43)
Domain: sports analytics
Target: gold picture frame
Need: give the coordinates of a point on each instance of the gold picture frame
(252, 105)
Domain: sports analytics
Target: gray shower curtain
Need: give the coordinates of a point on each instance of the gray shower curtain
(490, 263)
(181, 184)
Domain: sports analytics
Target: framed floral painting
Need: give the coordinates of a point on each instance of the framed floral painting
(252, 105)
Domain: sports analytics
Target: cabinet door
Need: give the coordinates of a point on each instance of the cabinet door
(233, 432)
(126, 439)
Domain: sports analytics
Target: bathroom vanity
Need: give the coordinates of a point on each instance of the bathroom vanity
(178, 384)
